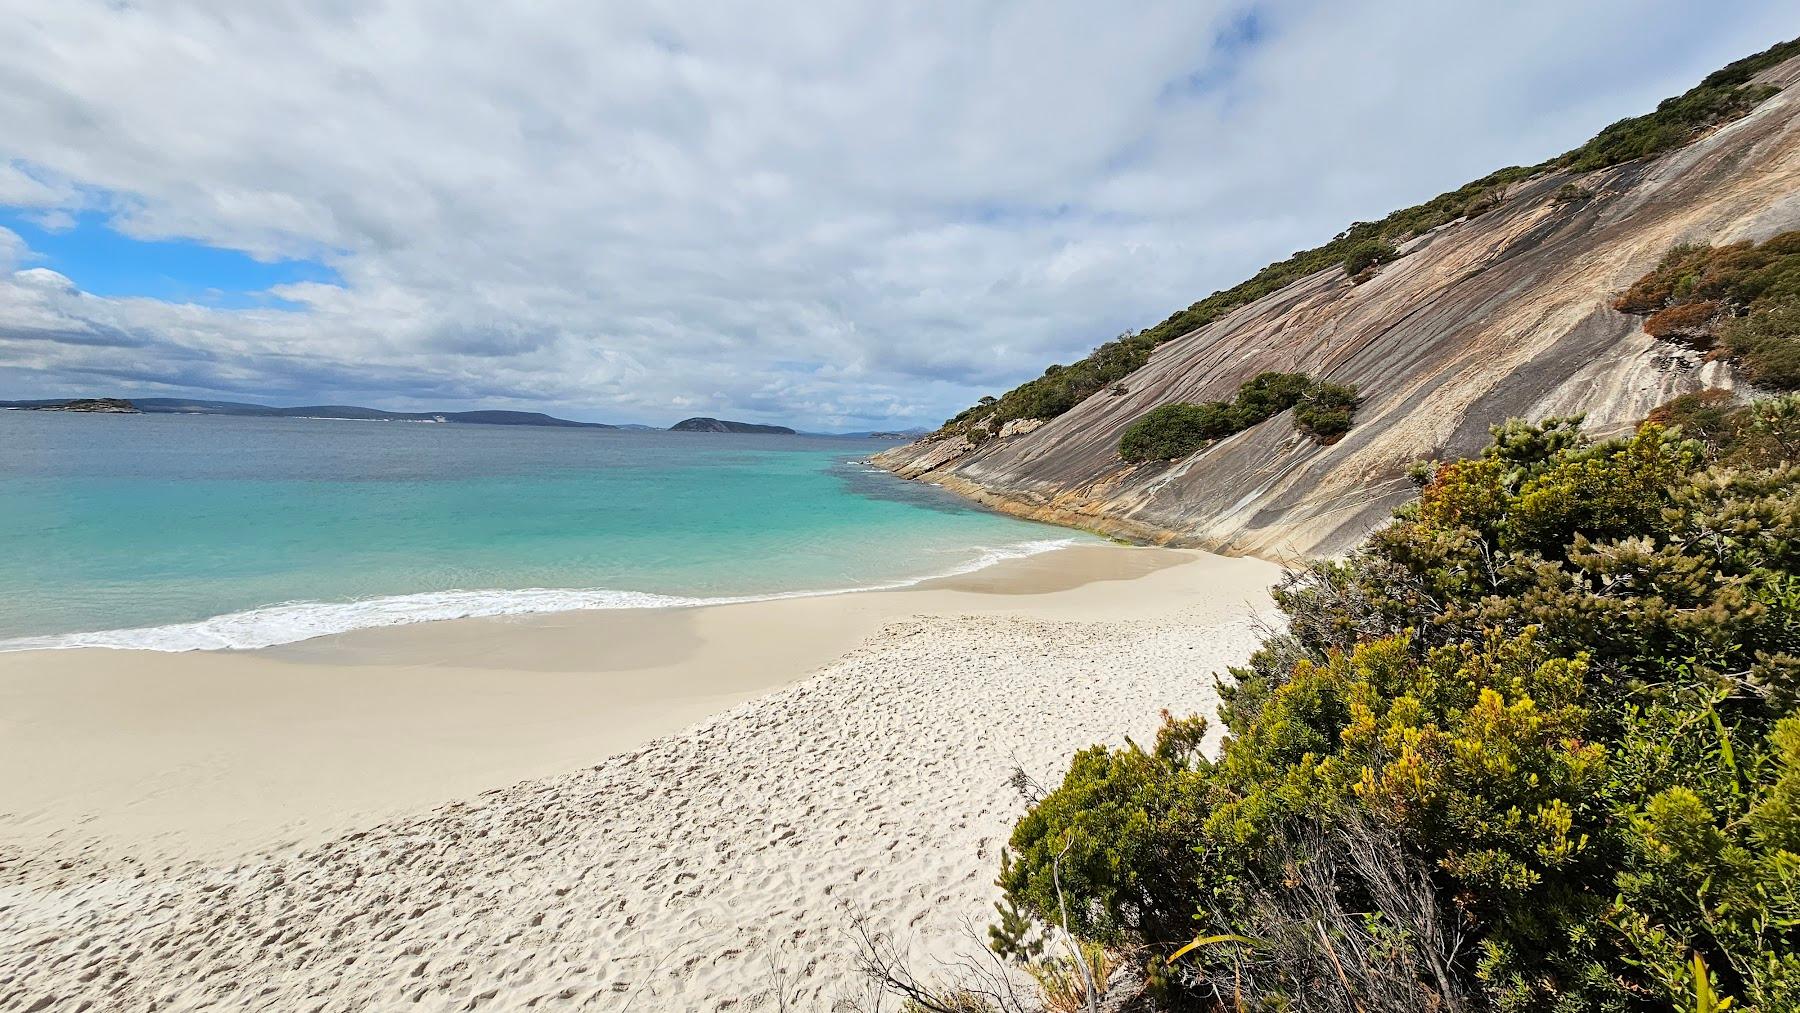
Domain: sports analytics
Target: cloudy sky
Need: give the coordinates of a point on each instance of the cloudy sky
(833, 214)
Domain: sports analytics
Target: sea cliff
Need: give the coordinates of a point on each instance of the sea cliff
(1503, 314)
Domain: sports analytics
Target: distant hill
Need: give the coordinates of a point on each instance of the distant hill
(184, 406)
(706, 425)
(886, 434)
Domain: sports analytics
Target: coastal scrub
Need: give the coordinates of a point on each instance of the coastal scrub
(1533, 746)
(1740, 302)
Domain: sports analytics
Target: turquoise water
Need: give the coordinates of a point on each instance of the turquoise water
(179, 532)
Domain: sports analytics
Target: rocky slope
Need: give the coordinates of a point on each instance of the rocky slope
(1503, 315)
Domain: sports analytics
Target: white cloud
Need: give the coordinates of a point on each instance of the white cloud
(12, 249)
(827, 213)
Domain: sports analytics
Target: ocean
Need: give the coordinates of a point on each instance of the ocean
(185, 532)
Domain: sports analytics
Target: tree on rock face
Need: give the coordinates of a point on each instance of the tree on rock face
(1326, 411)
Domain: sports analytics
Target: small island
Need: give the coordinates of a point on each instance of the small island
(104, 405)
(706, 425)
(245, 409)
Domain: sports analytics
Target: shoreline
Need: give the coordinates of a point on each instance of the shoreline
(659, 809)
(285, 623)
(204, 754)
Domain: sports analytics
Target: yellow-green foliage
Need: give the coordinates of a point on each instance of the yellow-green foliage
(1565, 687)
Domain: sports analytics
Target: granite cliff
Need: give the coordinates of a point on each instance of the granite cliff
(1504, 313)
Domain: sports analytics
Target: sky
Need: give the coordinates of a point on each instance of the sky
(833, 215)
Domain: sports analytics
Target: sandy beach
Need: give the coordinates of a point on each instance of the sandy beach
(652, 809)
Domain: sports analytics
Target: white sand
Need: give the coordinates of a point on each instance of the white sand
(680, 873)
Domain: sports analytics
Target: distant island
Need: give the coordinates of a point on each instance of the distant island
(102, 405)
(706, 425)
(182, 406)
(185, 406)
(888, 434)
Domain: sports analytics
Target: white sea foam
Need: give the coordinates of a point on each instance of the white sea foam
(290, 622)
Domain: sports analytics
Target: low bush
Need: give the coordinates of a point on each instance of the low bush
(1533, 746)
(1712, 416)
(1724, 95)
(1268, 394)
(1743, 298)
(1688, 321)
(1367, 254)
(1761, 434)
(1767, 342)
(1326, 411)
(1168, 432)
(1172, 431)
(1571, 193)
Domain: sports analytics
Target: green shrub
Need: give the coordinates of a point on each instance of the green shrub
(1325, 413)
(1172, 431)
(1724, 95)
(1266, 395)
(1744, 297)
(1766, 342)
(1571, 193)
(1761, 434)
(1366, 254)
(1561, 696)
(1711, 416)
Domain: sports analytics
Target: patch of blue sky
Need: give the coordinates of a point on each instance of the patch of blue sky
(1223, 60)
(1007, 213)
(101, 260)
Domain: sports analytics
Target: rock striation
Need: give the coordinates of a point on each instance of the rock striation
(1506, 314)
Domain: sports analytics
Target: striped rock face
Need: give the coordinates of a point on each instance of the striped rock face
(1504, 315)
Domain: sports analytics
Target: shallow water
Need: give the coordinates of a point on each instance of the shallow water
(179, 532)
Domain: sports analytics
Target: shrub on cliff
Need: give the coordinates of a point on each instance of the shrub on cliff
(1325, 413)
(1366, 254)
(1571, 193)
(1168, 432)
(1266, 395)
(1535, 745)
(1724, 95)
(1172, 431)
(1743, 297)
(1767, 342)
(1757, 435)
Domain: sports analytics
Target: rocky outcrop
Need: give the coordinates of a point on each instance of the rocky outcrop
(1503, 315)
(706, 425)
(101, 405)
